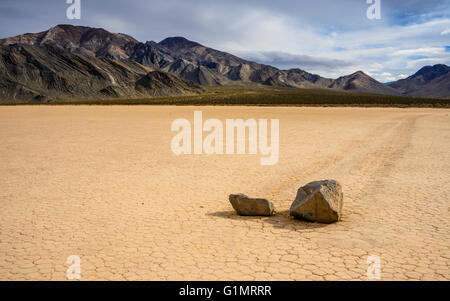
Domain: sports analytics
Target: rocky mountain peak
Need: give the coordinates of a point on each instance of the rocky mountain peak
(176, 43)
(432, 72)
(359, 73)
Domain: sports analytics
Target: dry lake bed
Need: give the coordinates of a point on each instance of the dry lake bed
(102, 183)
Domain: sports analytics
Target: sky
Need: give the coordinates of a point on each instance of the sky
(327, 37)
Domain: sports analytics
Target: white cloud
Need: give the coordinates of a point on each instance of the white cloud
(446, 31)
(415, 64)
(386, 78)
(420, 51)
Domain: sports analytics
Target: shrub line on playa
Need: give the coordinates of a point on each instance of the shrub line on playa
(265, 97)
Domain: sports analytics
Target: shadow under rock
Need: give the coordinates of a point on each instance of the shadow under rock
(281, 219)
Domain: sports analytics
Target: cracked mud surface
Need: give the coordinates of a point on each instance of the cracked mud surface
(102, 183)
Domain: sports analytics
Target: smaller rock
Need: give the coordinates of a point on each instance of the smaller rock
(251, 207)
(319, 201)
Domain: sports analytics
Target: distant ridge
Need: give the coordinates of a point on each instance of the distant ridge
(361, 82)
(430, 81)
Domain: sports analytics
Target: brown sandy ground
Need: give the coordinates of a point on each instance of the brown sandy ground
(103, 184)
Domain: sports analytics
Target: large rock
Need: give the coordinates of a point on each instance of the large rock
(320, 202)
(251, 207)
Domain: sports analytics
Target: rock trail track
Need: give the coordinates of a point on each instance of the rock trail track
(102, 183)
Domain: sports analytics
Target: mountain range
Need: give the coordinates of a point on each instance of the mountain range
(76, 61)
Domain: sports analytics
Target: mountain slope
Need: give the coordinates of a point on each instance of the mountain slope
(224, 64)
(362, 83)
(430, 81)
(41, 73)
(298, 78)
(159, 83)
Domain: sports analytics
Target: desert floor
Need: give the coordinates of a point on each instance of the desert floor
(102, 183)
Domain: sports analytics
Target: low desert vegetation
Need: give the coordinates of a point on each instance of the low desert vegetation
(263, 96)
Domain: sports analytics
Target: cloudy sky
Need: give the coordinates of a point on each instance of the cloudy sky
(328, 37)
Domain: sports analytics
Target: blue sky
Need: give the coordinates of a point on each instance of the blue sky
(328, 37)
